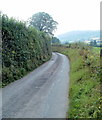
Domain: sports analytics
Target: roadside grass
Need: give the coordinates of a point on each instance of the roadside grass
(84, 92)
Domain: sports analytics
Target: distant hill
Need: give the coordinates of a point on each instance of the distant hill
(75, 36)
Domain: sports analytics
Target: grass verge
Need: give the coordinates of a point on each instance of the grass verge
(84, 93)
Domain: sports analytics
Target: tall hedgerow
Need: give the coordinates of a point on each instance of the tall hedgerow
(23, 49)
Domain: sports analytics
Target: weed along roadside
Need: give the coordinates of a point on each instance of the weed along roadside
(85, 72)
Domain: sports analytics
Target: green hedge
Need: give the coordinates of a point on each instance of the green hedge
(23, 49)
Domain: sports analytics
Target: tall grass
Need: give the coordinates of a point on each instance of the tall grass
(85, 74)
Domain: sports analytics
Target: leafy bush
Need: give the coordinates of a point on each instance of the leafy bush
(23, 49)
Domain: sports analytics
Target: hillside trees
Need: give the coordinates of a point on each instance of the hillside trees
(43, 22)
(93, 43)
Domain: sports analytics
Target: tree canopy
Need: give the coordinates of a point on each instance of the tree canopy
(43, 22)
(55, 40)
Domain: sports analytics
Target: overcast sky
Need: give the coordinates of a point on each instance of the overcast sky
(70, 14)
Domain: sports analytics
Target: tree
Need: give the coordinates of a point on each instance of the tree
(55, 40)
(43, 22)
(93, 43)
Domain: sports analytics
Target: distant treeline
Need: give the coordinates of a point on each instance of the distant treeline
(76, 36)
(55, 40)
(23, 49)
(94, 43)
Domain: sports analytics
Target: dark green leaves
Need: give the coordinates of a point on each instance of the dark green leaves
(23, 49)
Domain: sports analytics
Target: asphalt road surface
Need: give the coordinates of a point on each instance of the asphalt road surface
(41, 94)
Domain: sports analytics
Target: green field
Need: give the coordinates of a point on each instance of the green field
(84, 93)
(96, 49)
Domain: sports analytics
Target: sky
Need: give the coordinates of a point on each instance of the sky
(70, 14)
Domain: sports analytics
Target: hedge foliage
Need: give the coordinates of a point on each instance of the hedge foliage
(23, 49)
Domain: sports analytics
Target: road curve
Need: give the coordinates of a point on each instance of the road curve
(41, 94)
